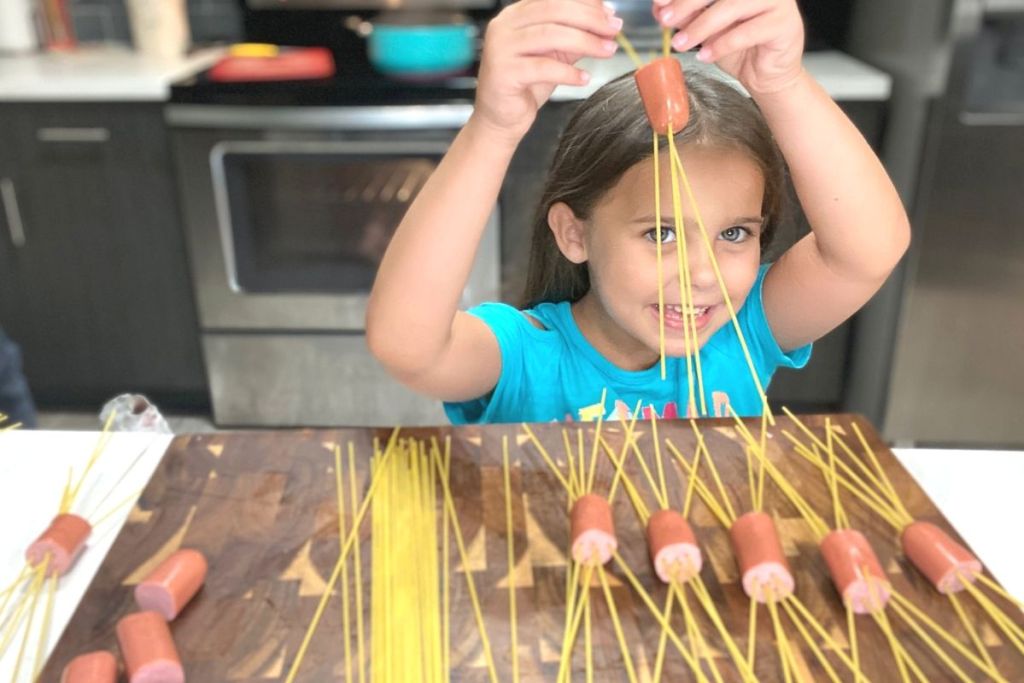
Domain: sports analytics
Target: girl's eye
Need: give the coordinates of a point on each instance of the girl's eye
(736, 234)
(667, 234)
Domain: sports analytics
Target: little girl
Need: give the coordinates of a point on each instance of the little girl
(591, 321)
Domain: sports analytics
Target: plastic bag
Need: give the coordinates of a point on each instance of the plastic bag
(135, 413)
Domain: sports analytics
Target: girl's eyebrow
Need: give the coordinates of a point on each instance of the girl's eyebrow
(668, 218)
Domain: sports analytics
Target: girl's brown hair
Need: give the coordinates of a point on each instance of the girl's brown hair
(609, 134)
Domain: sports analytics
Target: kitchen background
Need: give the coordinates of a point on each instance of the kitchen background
(211, 244)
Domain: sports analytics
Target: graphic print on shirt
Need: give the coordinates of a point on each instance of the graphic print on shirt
(670, 411)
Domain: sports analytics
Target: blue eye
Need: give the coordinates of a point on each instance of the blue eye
(736, 234)
(667, 234)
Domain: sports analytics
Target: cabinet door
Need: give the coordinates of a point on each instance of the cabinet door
(103, 302)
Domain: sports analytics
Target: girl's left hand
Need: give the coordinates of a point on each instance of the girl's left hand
(759, 42)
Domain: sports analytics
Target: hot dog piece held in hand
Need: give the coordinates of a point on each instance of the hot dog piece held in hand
(148, 649)
(673, 546)
(92, 667)
(593, 533)
(945, 563)
(62, 541)
(856, 571)
(765, 572)
(172, 584)
(663, 91)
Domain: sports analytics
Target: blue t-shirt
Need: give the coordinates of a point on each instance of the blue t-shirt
(555, 373)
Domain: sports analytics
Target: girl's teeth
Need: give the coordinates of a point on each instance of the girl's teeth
(678, 310)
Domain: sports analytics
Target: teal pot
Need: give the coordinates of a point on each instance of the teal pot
(419, 46)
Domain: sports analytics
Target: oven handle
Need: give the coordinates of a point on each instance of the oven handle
(402, 117)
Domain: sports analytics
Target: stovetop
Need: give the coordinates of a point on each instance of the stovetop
(356, 83)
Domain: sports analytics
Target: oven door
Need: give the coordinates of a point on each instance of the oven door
(287, 214)
(286, 229)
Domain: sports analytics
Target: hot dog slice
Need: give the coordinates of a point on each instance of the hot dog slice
(92, 667)
(63, 540)
(593, 534)
(172, 584)
(663, 91)
(941, 559)
(759, 555)
(855, 570)
(148, 649)
(673, 546)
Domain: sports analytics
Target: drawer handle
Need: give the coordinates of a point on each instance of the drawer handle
(14, 224)
(73, 134)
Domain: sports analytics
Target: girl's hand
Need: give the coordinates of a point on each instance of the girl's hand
(759, 42)
(530, 48)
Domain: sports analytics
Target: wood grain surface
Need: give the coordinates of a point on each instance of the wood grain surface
(262, 507)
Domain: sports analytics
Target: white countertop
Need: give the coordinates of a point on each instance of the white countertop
(119, 74)
(977, 491)
(33, 469)
(107, 73)
(842, 76)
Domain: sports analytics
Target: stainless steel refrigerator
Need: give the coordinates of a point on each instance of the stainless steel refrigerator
(943, 361)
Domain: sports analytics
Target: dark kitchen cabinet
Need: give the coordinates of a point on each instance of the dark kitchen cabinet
(94, 285)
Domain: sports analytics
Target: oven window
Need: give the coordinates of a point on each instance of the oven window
(315, 223)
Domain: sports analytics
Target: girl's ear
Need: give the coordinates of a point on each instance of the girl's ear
(568, 231)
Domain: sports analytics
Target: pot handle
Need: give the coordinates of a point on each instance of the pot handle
(358, 25)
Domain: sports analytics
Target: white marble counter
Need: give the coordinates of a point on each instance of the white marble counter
(112, 74)
(33, 470)
(842, 76)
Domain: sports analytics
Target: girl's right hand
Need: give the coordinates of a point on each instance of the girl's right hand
(529, 49)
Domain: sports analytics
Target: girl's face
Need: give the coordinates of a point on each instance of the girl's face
(620, 314)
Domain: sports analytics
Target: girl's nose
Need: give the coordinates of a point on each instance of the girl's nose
(702, 270)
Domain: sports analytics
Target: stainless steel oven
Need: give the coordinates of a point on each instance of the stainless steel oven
(287, 213)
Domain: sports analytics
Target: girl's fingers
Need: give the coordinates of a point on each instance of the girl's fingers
(757, 31)
(717, 18)
(542, 39)
(673, 13)
(587, 16)
(538, 70)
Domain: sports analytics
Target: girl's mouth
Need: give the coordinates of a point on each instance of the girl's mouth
(676, 315)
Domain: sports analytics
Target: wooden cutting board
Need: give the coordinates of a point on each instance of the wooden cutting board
(262, 507)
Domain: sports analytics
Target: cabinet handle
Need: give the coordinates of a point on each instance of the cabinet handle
(73, 134)
(14, 224)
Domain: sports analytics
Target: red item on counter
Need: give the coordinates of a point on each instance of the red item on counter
(93, 667)
(172, 584)
(289, 64)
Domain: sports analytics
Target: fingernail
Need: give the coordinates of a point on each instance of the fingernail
(609, 8)
(704, 55)
(667, 16)
(679, 41)
(609, 46)
(616, 23)
(584, 77)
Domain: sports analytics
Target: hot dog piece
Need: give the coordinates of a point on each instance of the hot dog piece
(945, 563)
(172, 584)
(663, 91)
(593, 534)
(148, 649)
(673, 546)
(62, 541)
(759, 555)
(93, 667)
(856, 571)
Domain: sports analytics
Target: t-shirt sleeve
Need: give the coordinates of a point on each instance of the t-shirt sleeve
(509, 327)
(764, 348)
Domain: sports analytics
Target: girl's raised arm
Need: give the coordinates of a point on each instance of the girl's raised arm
(413, 325)
(859, 227)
